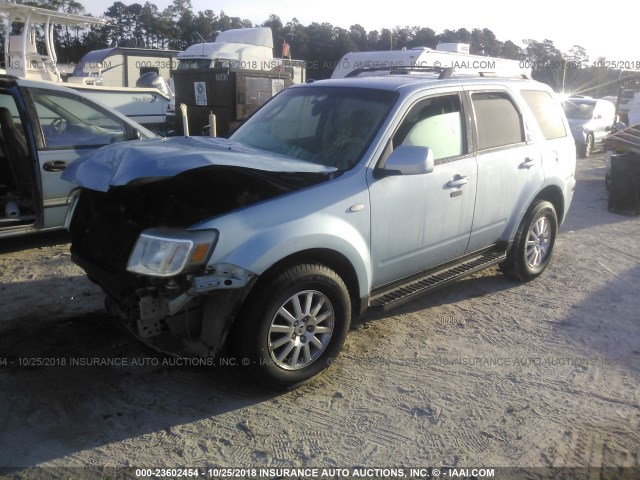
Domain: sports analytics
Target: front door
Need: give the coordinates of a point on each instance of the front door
(70, 127)
(421, 221)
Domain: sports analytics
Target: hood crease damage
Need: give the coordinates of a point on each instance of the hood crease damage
(149, 160)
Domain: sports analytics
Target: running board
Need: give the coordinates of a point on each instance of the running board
(436, 279)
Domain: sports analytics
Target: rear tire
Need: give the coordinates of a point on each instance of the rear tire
(295, 326)
(533, 243)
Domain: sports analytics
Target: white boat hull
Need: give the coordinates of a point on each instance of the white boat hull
(147, 106)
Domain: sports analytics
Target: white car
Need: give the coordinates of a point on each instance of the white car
(590, 120)
(43, 127)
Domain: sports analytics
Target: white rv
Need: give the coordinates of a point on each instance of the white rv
(446, 55)
(123, 66)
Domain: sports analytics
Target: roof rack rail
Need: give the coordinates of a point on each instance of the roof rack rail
(428, 60)
(444, 72)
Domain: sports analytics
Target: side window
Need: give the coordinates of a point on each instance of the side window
(547, 112)
(7, 101)
(436, 123)
(145, 70)
(498, 121)
(70, 121)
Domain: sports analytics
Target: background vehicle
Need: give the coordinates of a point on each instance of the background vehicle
(590, 121)
(231, 78)
(334, 197)
(122, 66)
(44, 127)
(627, 97)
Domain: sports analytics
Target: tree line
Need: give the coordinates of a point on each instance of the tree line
(321, 44)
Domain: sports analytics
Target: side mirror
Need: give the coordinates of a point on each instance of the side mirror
(408, 160)
(135, 134)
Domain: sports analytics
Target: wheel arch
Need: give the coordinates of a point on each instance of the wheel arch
(527, 259)
(553, 194)
(323, 256)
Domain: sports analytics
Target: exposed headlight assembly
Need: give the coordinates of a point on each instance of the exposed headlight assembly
(167, 252)
(75, 196)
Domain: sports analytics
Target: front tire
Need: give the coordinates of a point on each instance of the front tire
(533, 243)
(296, 325)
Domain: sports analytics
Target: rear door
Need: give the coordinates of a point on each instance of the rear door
(20, 204)
(509, 165)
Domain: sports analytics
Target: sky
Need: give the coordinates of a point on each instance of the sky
(606, 31)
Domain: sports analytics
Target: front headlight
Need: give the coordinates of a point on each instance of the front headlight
(168, 252)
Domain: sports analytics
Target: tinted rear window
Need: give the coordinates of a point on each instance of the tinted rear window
(547, 113)
(498, 120)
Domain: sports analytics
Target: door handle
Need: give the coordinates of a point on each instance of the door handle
(54, 166)
(528, 163)
(457, 181)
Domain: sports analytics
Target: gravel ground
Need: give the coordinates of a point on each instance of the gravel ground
(487, 373)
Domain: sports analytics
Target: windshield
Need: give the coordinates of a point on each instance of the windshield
(582, 111)
(194, 63)
(331, 126)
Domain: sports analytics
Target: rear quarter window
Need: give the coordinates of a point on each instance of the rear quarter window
(546, 112)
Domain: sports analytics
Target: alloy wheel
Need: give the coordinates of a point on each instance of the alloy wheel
(301, 330)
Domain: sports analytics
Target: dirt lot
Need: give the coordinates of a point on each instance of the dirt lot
(487, 373)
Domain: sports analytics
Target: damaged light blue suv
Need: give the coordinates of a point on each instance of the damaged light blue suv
(335, 197)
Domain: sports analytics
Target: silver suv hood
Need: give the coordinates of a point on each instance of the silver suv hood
(122, 163)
